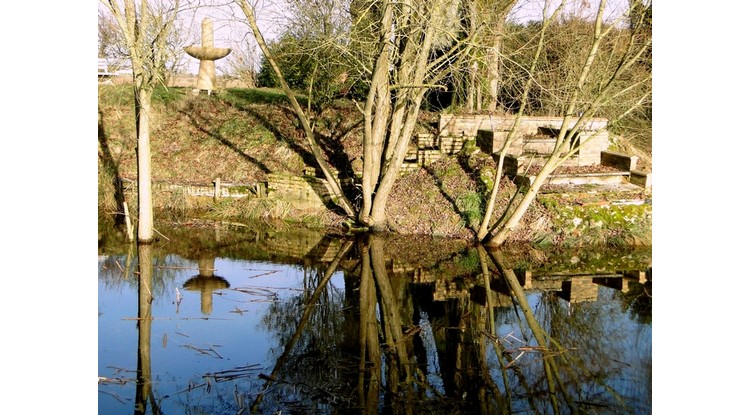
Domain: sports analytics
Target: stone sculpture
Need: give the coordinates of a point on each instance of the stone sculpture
(207, 54)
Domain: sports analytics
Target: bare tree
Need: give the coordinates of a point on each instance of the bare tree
(476, 78)
(513, 133)
(176, 60)
(403, 69)
(401, 50)
(249, 11)
(405, 48)
(111, 44)
(242, 63)
(146, 29)
(604, 73)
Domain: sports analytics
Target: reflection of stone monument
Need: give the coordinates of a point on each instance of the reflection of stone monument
(207, 54)
(206, 282)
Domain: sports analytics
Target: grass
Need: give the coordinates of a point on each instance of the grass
(246, 96)
(123, 94)
(266, 211)
(599, 224)
(471, 205)
(242, 135)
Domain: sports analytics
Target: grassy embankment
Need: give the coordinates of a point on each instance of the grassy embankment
(241, 135)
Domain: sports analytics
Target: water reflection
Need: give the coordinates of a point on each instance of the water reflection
(206, 283)
(144, 397)
(376, 325)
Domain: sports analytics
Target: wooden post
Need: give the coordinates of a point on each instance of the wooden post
(261, 190)
(217, 189)
(128, 224)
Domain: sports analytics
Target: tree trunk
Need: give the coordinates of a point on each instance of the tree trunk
(390, 316)
(403, 129)
(483, 229)
(145, 32)
(515, 218)
(143, 151)
(369, 379)
(493, 67)
(143, 394)
(541, 336)
(389, 127)
(376, 113)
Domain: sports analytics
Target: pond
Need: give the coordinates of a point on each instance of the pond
(226, 321)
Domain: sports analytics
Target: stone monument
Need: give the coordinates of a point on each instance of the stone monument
(207, 54)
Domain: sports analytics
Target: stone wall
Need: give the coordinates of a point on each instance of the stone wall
(300, 191)
(468, 125)
(537, 132)
(236, 191)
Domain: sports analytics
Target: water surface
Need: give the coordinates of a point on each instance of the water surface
(224, 322)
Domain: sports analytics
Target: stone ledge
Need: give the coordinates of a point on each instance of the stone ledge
(618, 160)
(640, 178)
(575, 179)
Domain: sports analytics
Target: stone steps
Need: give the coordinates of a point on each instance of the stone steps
(609, 179)
(625, 178)
(535, 147)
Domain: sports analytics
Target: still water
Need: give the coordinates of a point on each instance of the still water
(220, 321)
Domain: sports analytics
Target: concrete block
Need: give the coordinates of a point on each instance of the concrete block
(619, 161)
(539, 145)
(492, 142)
(640, 178)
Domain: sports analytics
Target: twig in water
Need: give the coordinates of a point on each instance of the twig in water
(514, 338)
(121, 369)
(232, 374)
(172, 267)
(241, 225)
(210, 351)
(265, 273)
(163, 236)
(169, 318)
(238, 311)
(514, 360)
(114, 395)
(119, 381)
(190, 387)
(215, 351)
(240, 400)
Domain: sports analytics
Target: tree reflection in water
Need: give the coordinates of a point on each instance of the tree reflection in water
(468, 331)
(143, 393)
(372, 349)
